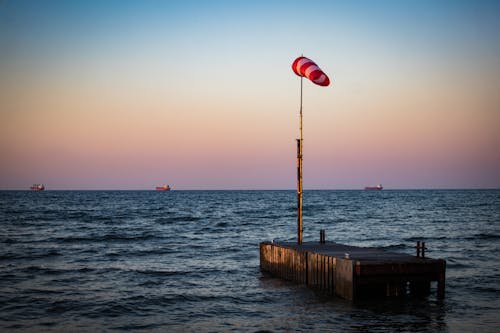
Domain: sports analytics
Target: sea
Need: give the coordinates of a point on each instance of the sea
(188, 261)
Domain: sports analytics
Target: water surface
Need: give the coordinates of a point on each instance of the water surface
(189, 260)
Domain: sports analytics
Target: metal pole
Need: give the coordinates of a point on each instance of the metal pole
(299, 174)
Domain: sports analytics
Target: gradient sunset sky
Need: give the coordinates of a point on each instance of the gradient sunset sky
(201, 95)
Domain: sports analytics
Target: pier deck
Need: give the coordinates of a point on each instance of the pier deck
(352, 272)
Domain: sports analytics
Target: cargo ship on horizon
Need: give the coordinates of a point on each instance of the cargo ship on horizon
(375, 188)
(37, 187)
(163, 188)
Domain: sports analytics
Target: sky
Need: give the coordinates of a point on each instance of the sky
(201, 95)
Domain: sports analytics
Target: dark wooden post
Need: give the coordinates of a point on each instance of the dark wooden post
(441, 281)
(299, 173)
(299, 189)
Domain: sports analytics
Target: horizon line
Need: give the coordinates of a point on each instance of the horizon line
(268, 189)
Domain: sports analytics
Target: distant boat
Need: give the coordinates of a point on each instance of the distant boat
(375, 188)
(37, 187)
(163, 188)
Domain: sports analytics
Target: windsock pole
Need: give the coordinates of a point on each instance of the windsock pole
(304, 67)
(299, 174)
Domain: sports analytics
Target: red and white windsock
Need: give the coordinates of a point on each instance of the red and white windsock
(305, 67)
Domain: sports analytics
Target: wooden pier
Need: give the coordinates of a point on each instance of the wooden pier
(353, 272)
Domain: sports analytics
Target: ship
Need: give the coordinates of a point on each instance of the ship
(163, 188)
(375, 188)
(37, 187)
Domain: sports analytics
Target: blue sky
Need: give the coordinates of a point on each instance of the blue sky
(148, 87)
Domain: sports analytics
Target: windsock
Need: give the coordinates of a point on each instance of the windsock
(305, 67)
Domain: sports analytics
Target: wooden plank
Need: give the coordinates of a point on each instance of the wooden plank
(322, 270)
(309, 265)
(334, 269)
(331, 272)
(287, 264)
(312, 269)
(299, 268)
(315, 269)
(344, 279)
(318, 271)
(326, 273)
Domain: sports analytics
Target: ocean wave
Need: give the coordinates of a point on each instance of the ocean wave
(484, 236)
(426, 238)
(106, 238)
(135, 327)
(394, 247)
(129, 237)
(25, 256)
(149, 252)
(43, 270)
(187, 218)
(487, 289)
(151, 272)
(455, 265)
